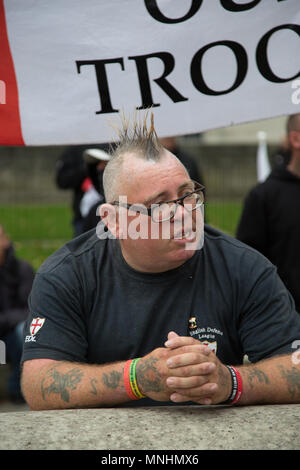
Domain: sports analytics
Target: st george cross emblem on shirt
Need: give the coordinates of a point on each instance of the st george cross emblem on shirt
(36, 325)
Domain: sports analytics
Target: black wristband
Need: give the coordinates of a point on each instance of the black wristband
(234, 389)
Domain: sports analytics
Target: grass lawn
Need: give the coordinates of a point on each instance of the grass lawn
(224, 215)
(39, 230)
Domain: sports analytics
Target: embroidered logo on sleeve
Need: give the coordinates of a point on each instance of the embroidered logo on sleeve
(34, 328)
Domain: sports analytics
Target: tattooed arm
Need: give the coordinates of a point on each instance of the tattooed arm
(183, 371)
(50, 384)
(274, 380)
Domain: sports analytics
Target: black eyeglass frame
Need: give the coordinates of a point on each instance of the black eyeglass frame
(148, 211)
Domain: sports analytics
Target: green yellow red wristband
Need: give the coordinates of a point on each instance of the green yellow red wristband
(127, 381)
(130, 382)
(133, 381)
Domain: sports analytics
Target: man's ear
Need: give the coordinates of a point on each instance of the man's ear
(110, 217)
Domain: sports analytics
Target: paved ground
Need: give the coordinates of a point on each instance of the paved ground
(175, 428)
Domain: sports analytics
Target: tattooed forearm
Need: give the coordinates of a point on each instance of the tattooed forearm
(223, 377)
(255, 374)
(112, 380)
(148, 376)
(59, 383)
(94, 390)
(292, 377)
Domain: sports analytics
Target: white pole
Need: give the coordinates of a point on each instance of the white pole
(262, 160)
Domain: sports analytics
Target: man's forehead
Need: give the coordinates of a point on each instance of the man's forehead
(149, 175)
(134, 165)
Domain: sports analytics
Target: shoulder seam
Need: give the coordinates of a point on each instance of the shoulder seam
(52, 268)
(67, 255)
(233, 241)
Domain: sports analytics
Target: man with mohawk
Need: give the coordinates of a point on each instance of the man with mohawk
(154, 307)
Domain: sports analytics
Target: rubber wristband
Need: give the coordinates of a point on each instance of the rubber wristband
(127, 381)
(133, 381)
(130, 382)
(237, 386)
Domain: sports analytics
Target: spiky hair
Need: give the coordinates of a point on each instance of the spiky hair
(136, 137)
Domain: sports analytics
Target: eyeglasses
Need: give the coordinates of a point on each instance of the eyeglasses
(162, 211)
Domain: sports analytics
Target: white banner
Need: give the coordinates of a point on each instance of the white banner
(69, 67)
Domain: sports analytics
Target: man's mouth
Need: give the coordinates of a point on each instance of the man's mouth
(188, 235)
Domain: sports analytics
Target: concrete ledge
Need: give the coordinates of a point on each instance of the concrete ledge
(159, 428)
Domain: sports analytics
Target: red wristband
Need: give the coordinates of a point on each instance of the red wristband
(128, 382)
(237, 386)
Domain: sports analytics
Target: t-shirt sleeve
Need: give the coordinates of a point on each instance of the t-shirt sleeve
(268, 322)
(55, 328)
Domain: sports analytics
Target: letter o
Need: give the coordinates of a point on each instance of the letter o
(196, 72)
(155, 12)
(261, 54)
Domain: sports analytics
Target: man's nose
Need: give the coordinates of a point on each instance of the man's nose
(183, 216)
(179, 212)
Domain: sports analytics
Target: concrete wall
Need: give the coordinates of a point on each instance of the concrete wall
(174, 428)
(27, 175)
(227, 158)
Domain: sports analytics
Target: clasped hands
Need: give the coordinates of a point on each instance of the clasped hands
(196, 374)
(189, 371)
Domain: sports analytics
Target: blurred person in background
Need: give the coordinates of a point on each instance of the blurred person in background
(270, 220)
(73, 173)
(171, 144)
(16, 278)
(96, 160)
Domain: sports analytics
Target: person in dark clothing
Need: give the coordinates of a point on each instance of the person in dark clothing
(16, 278)
(162, 311)
(96, 160)
(70, 174)
(73, 173)
(270, 220)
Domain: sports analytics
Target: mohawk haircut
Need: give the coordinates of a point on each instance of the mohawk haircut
(138, 137)
(135, 137)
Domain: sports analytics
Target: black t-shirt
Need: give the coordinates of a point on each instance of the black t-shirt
(87, 304)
